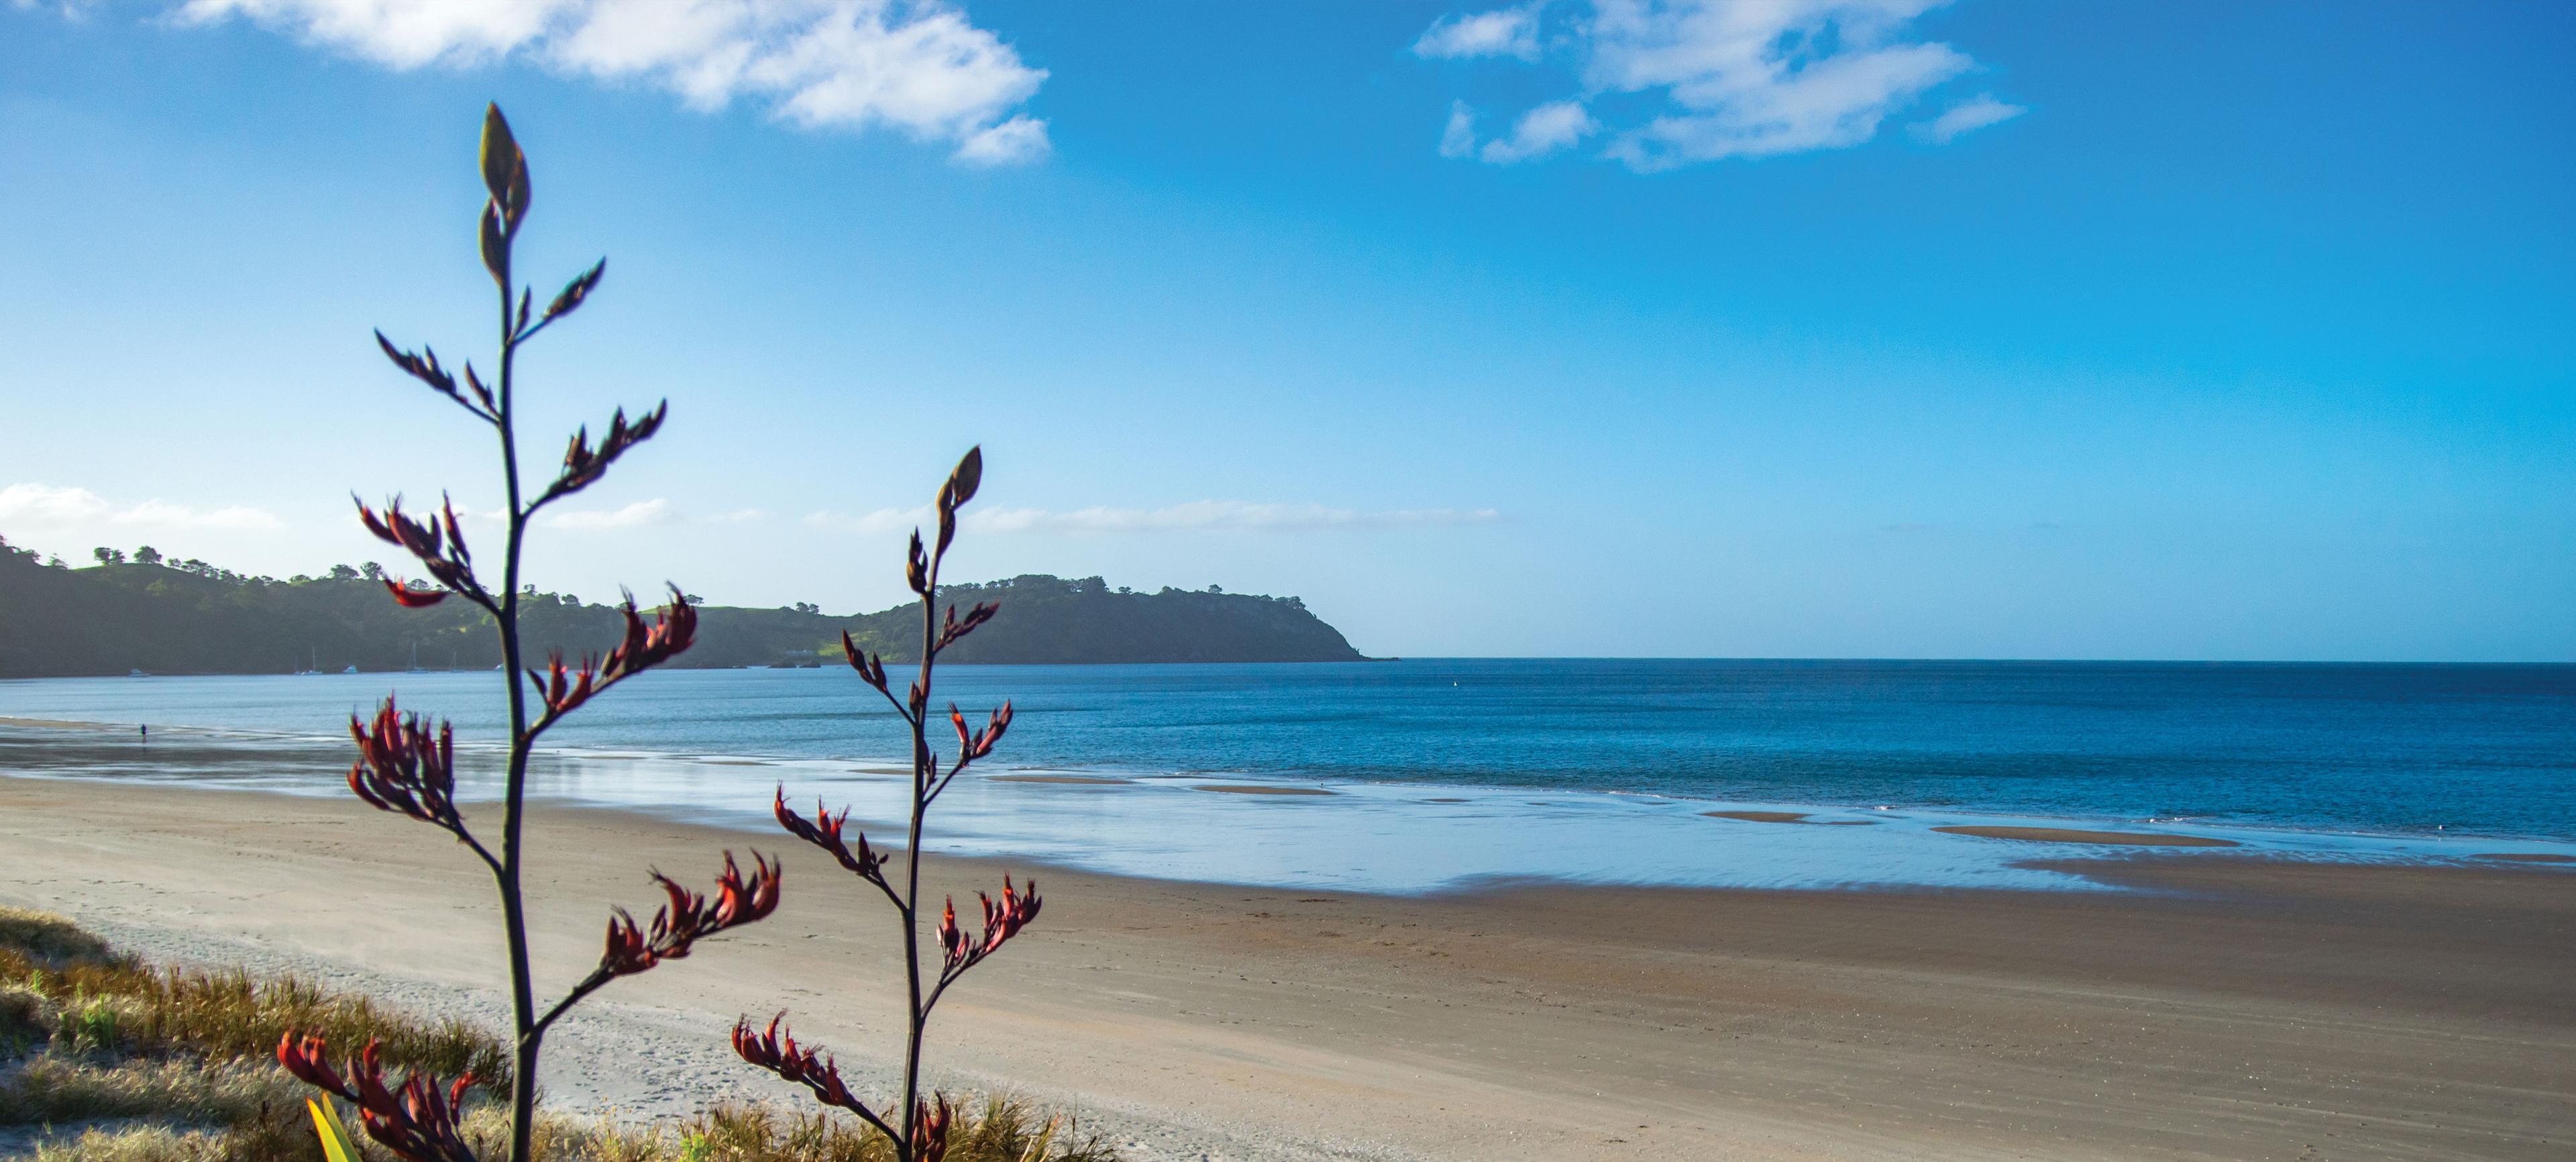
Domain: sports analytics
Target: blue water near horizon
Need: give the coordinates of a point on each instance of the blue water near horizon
(1606, 764)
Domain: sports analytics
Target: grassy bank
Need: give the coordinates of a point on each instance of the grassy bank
(106, 1059)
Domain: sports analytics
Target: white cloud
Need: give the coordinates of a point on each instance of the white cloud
(41, 504)
(656, 511)
(1511, 32)
(883, 520)
(1009, 143)
(1202, 515)
(403, 34)
(1738, 78)
(45, 505)
(1967, 116)
(918, 66)
(1459, 138)
(1540, 132)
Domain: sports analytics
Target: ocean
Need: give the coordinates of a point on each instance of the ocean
(1450, 772)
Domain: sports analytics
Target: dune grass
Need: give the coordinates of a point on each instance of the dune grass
(152, 1065)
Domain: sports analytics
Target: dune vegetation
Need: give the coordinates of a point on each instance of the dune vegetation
(104, 1058)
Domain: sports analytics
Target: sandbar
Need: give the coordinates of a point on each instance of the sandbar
(1258, 789)
(1074, 780)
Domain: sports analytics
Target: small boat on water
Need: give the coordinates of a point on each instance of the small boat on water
(137, 674)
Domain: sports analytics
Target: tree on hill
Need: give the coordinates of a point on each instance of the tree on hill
(191, 617)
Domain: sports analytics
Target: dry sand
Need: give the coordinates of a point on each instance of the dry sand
(2240, 1009)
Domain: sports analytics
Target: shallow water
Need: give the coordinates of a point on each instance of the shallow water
(1451, 773)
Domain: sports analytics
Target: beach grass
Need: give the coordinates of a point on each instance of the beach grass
(104, 1058)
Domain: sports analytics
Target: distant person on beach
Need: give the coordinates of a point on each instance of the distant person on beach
(145, 729)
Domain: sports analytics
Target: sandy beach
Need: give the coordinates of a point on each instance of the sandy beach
(2231, 1008)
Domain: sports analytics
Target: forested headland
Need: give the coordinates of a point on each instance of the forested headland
(188, 617)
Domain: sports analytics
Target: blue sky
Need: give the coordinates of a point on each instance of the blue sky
(1861, 328)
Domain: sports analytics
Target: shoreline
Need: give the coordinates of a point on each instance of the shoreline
(1587, 816)
(2225, 1006)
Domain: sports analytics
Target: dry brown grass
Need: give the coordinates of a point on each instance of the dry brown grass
(139, 1144)
(184, 1057)
(53, 1089)
(1004, 1131)
(278, 1135)
(230, 1015)
(26, 1020)
(104, 1002)
(179, 1063)
(51, 940)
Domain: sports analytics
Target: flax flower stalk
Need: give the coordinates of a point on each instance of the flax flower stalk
(407, 766)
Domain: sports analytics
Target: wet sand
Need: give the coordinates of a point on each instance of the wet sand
(2078, 835)
(2226, 1007)
(1257, 789)
(57, 724)
(1072, 780)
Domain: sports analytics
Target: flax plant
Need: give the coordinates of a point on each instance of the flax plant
(920, 1129)
(407, 766)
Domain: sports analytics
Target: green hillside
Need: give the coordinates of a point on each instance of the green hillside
(194, 618)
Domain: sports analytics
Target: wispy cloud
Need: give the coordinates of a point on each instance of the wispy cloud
(70, 9)
(883, 520)
(1459, 138)
(49, 505)
(1967, 116)
(1511, 32)
(918, 66)
(1722, 78)
(41, 504)
(656, 511)
(1540, 132)
(1203, 515)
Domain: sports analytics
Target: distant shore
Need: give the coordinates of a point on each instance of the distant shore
(2235, 1008)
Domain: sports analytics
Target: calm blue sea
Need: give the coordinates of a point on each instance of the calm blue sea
(2415, 752)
